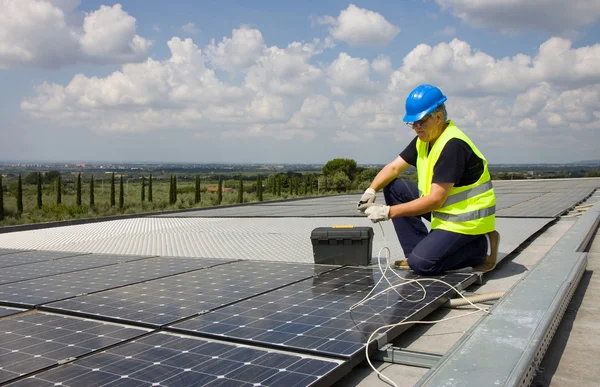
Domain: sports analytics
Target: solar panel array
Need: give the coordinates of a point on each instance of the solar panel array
(27, 257)
(60, 266)
(160, 302)
(314, 315)
(172, 360)
(47, 289)
(33, 341)
(550, 205)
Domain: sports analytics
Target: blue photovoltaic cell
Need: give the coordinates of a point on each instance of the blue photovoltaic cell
(4, 311)
(313, 315)
(34, 341)
(164, 301)
(171, 360)
(43, 290)
(33, 256)
(60, 266)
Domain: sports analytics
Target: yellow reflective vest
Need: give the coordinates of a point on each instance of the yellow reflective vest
(467, 210)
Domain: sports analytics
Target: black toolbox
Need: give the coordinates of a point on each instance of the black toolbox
(342, 245)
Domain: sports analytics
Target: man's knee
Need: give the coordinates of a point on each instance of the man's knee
(423, 266)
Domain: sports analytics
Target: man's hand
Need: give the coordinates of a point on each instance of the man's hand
(377, 212)
(367, 199)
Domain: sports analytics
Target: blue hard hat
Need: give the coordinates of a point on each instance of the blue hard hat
(422, 101)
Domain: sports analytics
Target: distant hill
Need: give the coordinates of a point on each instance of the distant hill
(587, 162)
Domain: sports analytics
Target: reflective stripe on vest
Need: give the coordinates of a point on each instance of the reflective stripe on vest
(466, 216)
(464, 195)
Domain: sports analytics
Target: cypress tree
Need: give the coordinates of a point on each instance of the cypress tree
(240, 198)
(39, 190)
(78, 198)
(58, 190)
(279, 182)
(92, 198)
(296, 185)
(174, 189)
(171, 190)
(121, 193)
(259, 188)
(19, 196)
(220, 191)
(112, 190)
(143, 189)
(274, 188)
(1, 199)
(150, 188)
(197, 196)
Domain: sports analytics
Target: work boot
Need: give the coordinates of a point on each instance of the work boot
(402, 264)
(492, 259)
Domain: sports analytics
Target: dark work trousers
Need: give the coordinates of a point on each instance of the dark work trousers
(431, 253)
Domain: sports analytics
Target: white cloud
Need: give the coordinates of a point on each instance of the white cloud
(463, 70)
(40, 33)
(109, 36)
(287, 93)
(382, 65)
(360, 27)
(554, 16)
(240, 51)
(284, 71)
(189, 29)
(348, 74)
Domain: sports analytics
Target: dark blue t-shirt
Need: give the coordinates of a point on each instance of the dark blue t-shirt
(457, 164)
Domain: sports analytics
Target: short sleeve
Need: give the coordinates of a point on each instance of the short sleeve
(409, 154)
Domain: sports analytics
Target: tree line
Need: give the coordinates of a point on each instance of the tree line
(83, 196)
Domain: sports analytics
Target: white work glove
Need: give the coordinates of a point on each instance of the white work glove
(377, 212)
(367, 198)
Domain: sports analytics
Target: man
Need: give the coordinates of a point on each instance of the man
(454, 192)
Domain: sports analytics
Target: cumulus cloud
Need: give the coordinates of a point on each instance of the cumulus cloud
(48, 34)
(554, 16)
(360, 27)
(469, 72)
(348, 74)
(240, 51)
(190, 28)
(382, 65)
(287, 93)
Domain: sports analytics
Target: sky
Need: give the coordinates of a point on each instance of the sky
(265, 81)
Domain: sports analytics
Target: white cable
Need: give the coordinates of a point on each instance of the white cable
(393, 287)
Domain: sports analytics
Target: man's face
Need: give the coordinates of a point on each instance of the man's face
(428, 128)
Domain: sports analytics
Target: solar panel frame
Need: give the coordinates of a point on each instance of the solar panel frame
(312, 317)
(36, 340)
(47, 289)
(28, 257)
(160, 302)
(64, 265)
(177, 360)
(4, 251)
(6, 311)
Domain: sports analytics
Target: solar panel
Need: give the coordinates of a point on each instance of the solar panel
(164, 301)
(43, 290)
(170, 360)
(4, 251)
(5, 311)
(313, 315)
(34, 341)
(64, 265)
(24, 258)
